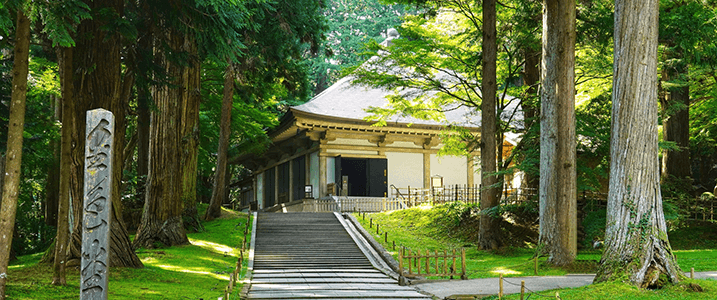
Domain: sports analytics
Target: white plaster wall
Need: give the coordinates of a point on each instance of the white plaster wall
(476, 170)
(260, 190)
(314, 173)
(454, 169)
(405, 169)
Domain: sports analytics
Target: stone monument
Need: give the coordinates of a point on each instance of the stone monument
(97, 205)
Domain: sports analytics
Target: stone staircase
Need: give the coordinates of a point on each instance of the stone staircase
(312, 256)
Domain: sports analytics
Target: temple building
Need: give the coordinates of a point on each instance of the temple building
(327, 147)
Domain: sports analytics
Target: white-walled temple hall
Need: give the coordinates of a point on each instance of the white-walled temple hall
(326, 147)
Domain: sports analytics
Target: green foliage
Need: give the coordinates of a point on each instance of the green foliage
(594, 226)
(60, 19)
(593, 130)
(351, 24)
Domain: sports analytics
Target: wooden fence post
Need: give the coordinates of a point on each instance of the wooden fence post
(428, 260)
(400, 261)
(500, 287)
(463, 264)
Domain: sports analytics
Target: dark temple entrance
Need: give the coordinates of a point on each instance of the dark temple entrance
(366, 176)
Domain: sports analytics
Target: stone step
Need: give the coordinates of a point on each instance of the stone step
(312, 256)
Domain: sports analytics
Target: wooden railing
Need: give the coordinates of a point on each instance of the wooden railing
(321, 205)
(428, 264)
(370, 204)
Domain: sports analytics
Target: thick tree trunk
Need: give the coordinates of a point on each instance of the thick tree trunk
(161, 223)
(675, 105)
(13, 159)
(488, 233)
(98, 84)
(63, 227)
(220, 184)
(636, 243)
(558, 185)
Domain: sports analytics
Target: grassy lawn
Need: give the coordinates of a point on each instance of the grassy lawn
(196, 271)
(613, 290)
(424, 229)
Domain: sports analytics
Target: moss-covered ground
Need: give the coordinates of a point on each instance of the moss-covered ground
(196, 271)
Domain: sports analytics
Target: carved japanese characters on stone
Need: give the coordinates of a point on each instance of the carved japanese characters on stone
(97, 204)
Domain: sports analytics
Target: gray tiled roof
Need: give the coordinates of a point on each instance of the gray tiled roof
(347, 101)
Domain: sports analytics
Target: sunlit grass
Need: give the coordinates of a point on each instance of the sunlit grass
(214, 247)
(199, 270)
(417, 229)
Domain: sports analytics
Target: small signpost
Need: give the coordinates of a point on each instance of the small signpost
(97, 205)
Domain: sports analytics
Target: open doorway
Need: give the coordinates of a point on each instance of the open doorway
(366, 176)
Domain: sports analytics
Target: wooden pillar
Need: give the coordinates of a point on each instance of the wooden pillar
(276, 184)
(307, 170)
(291, 180)
(426, 170)
(322, 175)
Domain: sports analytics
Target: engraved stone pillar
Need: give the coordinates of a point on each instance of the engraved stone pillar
(97, 205)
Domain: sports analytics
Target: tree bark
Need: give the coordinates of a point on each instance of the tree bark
(63, 227)
(528, 103)
(13, 158)
(191, 84)
(220, 183)
(558, 185)
(675, 122)
(636, 242)
(161, 223)
(98, 84)
(488, 233)
(52, 192)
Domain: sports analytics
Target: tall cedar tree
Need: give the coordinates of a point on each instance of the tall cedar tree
(489, 230)
(68, 111)
(169, 148)
(636, 242)
(13, 158)
(558, 184)
(98, 84)
(220, 175)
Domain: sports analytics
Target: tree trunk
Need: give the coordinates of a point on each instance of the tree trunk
(191, 84)
(558, 185)
(220, 184)
(98, 84)
(528, 103)
(675, 105)
(63, 227)
(636, 243)
(161, 223)
(13, 159)
(488, 233)
(52, 191)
